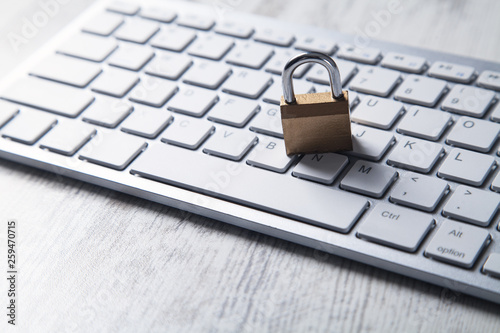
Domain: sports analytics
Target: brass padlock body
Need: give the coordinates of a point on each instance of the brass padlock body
(316, 123)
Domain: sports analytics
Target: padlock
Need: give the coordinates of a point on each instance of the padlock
(317, 122)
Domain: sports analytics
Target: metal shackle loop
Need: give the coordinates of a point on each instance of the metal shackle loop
(316, 57)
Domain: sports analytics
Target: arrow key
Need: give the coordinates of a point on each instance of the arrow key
(472, 205)
(420, 192)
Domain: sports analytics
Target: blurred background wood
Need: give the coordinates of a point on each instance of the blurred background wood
(96, 260)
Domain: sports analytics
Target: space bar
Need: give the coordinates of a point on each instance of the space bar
(280, 194)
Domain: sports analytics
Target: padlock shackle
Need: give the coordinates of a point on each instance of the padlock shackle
(316, 57)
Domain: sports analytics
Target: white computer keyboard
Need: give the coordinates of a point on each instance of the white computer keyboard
(170, 102)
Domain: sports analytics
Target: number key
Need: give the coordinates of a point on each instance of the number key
(375, 81)
(421, 90)
(469, 101)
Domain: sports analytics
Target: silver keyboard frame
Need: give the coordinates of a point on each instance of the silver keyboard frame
(415, 265)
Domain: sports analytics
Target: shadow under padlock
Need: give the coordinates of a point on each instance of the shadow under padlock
(317, 122)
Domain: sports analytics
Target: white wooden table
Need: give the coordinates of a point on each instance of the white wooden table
(95, 260)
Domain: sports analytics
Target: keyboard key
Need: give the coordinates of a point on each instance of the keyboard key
(88, 47)
(67, 70)
(270, 154)
(7, 112)
(466, 167)
(457, 243)
(114, 150)
(229, 143)
(193, 101)
(394, 226)
(492, 265)
(283, 195)
(207, 74)
(474, 134)
(424, 123)
(452, 72)
(313, 44)
(369, 143)
(146, 121)
(173, 38)
(67, 137)
(321, 168)
(107, 111)
(251, 55)
(196, 21)
(168, 65)
(469, 101)
(280, 58)
(369, 179)
(414, 154)
(495, 185)
(49, 96)
(115, 82)
(375, 80)
(159, 14)
(274, 37)
(153, 91)
(420, 192)
(495, 115)
(234, 111)
(234, 28)
(137, 30)
(319, 74)
(103, 24)
(377, 112)
(465, 201)
(367, 55)
(273, 94)
(421, 90)
(123, 7)
(353, 98)
(268, 121)
(130, 56)
(211, 46)
(28, 126)
(247, 83)
(187, 132)
(489, 79)
(404, 62)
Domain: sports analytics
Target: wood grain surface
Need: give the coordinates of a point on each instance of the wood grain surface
(94, 260)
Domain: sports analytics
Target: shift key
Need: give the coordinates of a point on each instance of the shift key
(48, 96)
(458, 243)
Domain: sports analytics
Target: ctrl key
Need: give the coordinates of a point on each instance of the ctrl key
(395, 226)
(458, 243)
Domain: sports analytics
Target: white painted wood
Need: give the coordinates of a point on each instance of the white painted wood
(95, 260)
